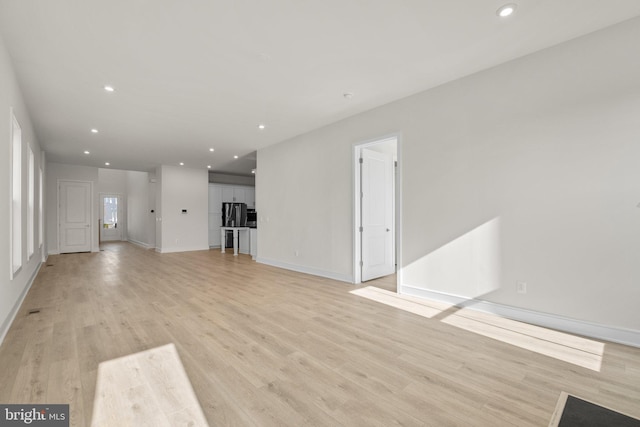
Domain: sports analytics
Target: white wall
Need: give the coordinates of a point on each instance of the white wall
(13, 291)
(55, 173)
(182, 188)
(303, 190)
(525, 172)
(112, 181)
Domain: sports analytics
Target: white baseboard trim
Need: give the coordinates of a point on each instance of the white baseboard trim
(580, 327)
(53, 253)
(306, 270)
(188, 249)
(16, 307)
(141, 244)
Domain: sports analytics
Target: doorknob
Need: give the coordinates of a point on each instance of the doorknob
(388, 230)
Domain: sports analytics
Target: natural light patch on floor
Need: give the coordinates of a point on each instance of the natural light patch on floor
(419, 306)
(562, 346)
(146, 388)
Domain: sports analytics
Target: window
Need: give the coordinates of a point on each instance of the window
(16, 196)
(110, 212)
(31, 204)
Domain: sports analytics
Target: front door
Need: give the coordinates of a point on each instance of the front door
(111, 228)
(75, 216)
(377, 205)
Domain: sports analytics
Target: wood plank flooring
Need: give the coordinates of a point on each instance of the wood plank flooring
(268, 347)
(149, 388)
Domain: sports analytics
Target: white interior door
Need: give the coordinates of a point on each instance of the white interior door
(377, 204)
(111, 217)
(75, 216)
(153, 223)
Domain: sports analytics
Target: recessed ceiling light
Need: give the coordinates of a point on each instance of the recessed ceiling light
(94, 130)
(107, 164)
(109, 88)
(235, 157)
(86, 152)
(506, 10)
(181, 163)
(211, 149)
(347, 95)
(208, 166)
(261, 126)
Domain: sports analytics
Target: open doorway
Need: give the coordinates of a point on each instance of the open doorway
(111, 224)
(376, 207)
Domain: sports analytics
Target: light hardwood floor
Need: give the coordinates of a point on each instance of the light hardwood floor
(149, 388)
(263, 346)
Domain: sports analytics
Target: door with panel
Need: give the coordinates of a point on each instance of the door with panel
(377, 205)
(74, 213)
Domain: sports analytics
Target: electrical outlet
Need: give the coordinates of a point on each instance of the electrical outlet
(295, 253)
(521, 287)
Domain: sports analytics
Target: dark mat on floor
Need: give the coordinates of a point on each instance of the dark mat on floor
(580, 413)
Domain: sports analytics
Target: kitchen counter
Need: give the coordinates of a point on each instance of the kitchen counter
(236, 231)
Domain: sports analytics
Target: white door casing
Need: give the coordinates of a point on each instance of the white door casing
(75, 216)
(113, 229)
(377, 220)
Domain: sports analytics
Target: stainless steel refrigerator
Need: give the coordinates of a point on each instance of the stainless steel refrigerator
(234, 214)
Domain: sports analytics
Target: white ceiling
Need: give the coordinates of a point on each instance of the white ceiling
(190, 75)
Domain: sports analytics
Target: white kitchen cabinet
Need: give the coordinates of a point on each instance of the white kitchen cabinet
(215, 214)
(253, 243)
(227, 193)
(250, 197)
(237, 193)
(244, 243)
(215, 198)
(214, 229)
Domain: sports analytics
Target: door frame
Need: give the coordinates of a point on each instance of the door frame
(92, 203)
(357, 243)
(122, 220)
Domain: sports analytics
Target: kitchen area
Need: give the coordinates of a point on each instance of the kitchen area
(233, 218)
